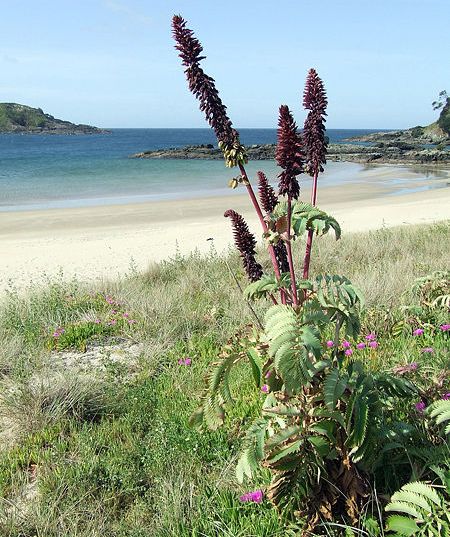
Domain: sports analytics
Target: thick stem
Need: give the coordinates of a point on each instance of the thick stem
(264, 226)
(309, 240)
(289, 254)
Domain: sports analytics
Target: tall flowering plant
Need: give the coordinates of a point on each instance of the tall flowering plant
(318, 428)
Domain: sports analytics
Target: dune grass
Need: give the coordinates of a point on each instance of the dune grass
(111, 452)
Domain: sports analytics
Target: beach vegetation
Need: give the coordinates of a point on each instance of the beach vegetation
(324, 429)
(109, 450)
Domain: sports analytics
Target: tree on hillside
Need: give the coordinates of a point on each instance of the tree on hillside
(441, 100)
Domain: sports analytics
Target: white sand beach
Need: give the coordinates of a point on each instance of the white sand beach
(95, 243)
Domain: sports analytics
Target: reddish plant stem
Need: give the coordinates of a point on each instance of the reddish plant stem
(309, 241)
(264, 226)
(289, 253)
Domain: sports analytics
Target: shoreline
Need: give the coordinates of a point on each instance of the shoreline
(103, 242)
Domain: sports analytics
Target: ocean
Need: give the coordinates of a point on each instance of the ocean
(57, 171)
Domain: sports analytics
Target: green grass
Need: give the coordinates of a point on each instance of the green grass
(111, 453)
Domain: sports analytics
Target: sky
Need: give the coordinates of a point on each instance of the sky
(112, 63)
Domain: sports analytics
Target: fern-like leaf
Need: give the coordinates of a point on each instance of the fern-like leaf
(419, 487)
(334, 387)
(305, 217)
(290, 344)
(406, 508)
(440, 412)
(252, 451)
(402, 525)
(266, 285)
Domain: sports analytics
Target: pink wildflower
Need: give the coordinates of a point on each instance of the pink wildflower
(445, 327)
(97, 321)
(125, 315)
(131, 321)
(330, 343)
(418, 332)
(264, 388)
(373, 344)
(348, 352)
(361, 346)
(371, 337)
(256, 496)
(184, 361)
(428, 349)
(420, 407)
(446, 396)
(267, 375)
(346, 344)
(112, 322)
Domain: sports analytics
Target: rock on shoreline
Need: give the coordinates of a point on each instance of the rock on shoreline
(386, 153)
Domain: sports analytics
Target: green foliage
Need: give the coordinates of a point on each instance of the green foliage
(423, 511)
(341, 300)
(269, 284)
(433, 290)
(440, 412)
(305, 217)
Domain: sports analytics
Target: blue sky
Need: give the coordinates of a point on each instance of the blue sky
(112, 63)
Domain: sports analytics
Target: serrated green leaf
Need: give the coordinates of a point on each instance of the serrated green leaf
(424, 490)
(255, 363)
(402, 507)
(402, 525)
(333, 388)
(282, 436)
(413, 498)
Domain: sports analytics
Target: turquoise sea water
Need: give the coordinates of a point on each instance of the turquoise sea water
(44, 171)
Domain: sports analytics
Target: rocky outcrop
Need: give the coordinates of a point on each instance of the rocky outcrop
(381, 152)
(435, 133)
(19, 118)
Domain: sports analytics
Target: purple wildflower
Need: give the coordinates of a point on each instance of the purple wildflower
(264, 388)
(245, 243)
(445, 327)
(346, 344)
(184, 361)
(420, 407)
(373, 344)
(315, 100)
(267, 375)
(330, 343)
(289, 154)
(371, 337)
(131, 321)
(446, 396)
(428, 349)
(361, 346)
(203, 86)
(256, 496)
(348, 352)
(418, 332)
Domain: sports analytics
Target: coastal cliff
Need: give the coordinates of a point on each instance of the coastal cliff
(19, 118)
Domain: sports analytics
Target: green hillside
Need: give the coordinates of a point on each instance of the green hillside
(16, 118)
